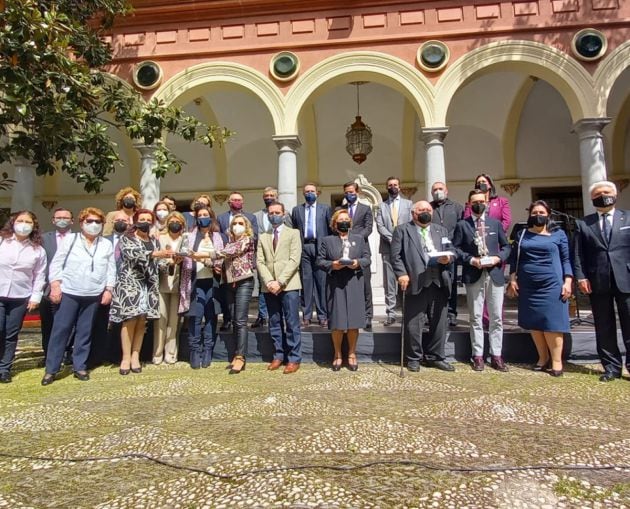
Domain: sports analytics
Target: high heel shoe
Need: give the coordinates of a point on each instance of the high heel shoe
(235, 369)
(544, 367)
(555, 372)
(136, 370)
(124, 371)
(337, 363)
(352, 366)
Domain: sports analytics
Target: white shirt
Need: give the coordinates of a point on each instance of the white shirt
(22, 269)
(609, 218)
(88, 269)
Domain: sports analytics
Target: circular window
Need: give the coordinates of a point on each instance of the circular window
(589, 44)
(433, 56)
(284, 66)
(147, 75)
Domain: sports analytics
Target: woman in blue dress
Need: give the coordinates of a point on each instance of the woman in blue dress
(541, 277)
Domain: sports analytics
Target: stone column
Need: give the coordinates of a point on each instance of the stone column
(287, 169)
(23, 191)
(433, 138)
(592, 158)
(149, 183)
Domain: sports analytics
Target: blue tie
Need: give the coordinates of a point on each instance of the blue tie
(309, 223)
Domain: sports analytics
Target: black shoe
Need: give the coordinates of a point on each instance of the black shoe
(452, 320)
(368, 325)
(48, 379)
(124, 371)
(337, 363)
(259, 322)
(226, 326)
(83, 376)
(5, 378)
(390, 320)
(608, 377)
(137, 370)
(544, 367)
(413, 366)
(441, 365)
(555, 372)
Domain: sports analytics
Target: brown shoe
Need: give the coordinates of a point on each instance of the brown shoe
(497, 363)
(291, 367)
(275, 364)
(478, 363)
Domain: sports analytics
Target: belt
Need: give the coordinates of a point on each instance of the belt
(310, 241)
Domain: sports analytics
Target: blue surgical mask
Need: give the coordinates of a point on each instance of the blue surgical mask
(62, 224)
(275, 220)
(351, 197)
(310, 198)
(204, 222)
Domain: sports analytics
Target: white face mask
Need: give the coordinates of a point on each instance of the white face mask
(92, 228)
(23, 229)
(238, 229)
(161, 214)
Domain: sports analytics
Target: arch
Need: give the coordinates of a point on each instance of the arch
(564, 73)
(608, 71)
(360, 66)
(180, 89)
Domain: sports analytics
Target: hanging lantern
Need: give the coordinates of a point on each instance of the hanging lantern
(358, 136)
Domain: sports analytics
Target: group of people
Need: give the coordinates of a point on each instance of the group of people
(133, 265)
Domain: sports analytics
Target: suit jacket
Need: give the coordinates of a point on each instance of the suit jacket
(464, 244)
(259, 215)
(283, 264)
(595, 261)
(323, 214)
(497, 208)
(384, 224)
(362, 220)
(447, 214)
(224, 222)
(409, 258)
(332, 249)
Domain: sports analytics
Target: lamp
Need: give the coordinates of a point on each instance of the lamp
(358, 135)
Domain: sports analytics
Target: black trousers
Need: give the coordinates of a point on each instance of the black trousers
(47, 311)
(603, 306)
(430, 305)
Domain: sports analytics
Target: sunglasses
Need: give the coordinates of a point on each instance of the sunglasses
(90, 221)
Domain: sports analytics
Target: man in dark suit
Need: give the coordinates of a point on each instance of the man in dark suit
(602, 269)
(419, 268)
(362, 224)
(482, 248)
(62, 221)
(313, 221)
(235, 202)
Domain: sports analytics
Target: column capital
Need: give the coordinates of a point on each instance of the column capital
(588, 127)
(287, 142)
(433, 134)
(145, 150)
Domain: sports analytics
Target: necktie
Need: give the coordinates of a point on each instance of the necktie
(351, 211)
(395, 212)
(309, 223)
(425, 233)
(275, 238)
(605, 228)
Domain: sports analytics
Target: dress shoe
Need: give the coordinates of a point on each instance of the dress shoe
(497, 362)
(555, 372)
(5, 378)
(137, 370)
(478, 363)
(352, 363)
(452, 320)
(275, 364)
(291, 367)
(124, 371)
(83, 376)
(259, 322)
(323, 323)
(48, 379)
(441, 365)
(541, 367)
(368, 325)
(390, 320)
(306, 323)
(226, 326)
(238, 365)
(608, 377)
(413, 366)
(337, 363)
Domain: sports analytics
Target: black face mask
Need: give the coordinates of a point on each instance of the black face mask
(143, 227)
(129, 203)
(604, 201)
(343, 226)
(478, 208)
(483, 187)
(120, 227)
(424, 217)
(393, 191)
(537, 221)
(198, 206)
(268, 201)
(175, 227)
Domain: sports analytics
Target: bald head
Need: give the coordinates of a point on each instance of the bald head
(422, 212)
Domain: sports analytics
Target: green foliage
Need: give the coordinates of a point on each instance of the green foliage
(56, 104)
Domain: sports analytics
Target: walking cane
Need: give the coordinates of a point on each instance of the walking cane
(402, 337)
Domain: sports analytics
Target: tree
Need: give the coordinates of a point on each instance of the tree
(56, 102)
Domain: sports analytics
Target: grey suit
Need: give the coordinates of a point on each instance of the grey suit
(385, 227)
(428, 290)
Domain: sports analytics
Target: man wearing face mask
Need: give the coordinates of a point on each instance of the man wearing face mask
(482, 248)
(447, 213)
(602, 259)
(392, 212)
(424, 273)
(362, 224)
(62, 220)
(313, 220)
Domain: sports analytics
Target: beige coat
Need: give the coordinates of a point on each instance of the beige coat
(283, 264)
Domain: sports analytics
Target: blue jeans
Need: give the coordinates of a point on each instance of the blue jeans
(284, 325)
(201, 340)
(76, 313)
(12, 313)
(240, 293)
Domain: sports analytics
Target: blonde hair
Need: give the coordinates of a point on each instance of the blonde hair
(249, 230)
(124, 192)
(91, 211)
(335, 216)
(176, 215)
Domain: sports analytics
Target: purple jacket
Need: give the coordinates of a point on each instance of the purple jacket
(498, 208)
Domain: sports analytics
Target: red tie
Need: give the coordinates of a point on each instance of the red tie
(275, 238)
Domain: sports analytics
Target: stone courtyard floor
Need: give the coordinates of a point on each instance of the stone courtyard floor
(172, 437)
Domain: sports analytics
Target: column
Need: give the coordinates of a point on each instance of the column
(23, 191)
(149, 183)
(433, 138)
(287, 169)
(592, 158)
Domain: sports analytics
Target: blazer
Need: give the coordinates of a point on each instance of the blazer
(447, 214)
(594, 260)
(224, 222)
(323, 214)
(49, 243)
(408, 256)
(332, 249)
(384, 224)
(259, 215)
(497, 208)
(283, 264)
(362, 220)
(464, 244)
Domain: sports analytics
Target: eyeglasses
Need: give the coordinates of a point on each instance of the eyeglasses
(90, 221)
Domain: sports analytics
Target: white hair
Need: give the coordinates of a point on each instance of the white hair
(602, 183)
